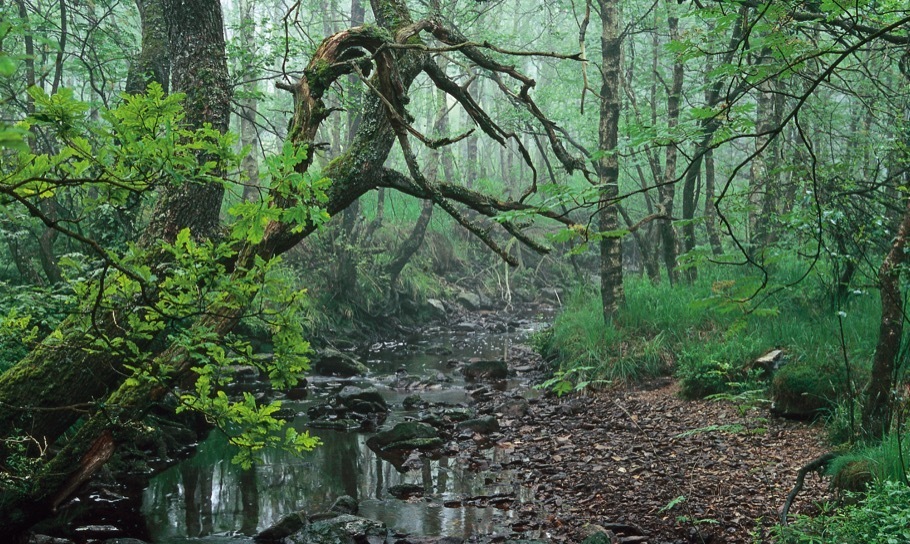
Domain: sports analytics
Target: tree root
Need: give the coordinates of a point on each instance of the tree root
(816, 465)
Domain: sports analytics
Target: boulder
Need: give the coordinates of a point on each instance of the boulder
(345, 504)
(341, 529)
(805, 389)
(413, 402)
(283, 528)
(481, 425)
(410, 435)
(470, 301)
(406, 491)
(363, 401)
(436, 306)
(486, 370)
(331, 362)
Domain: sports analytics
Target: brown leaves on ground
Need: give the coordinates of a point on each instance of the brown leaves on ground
(631, 457)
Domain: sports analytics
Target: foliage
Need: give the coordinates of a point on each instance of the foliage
(709, 337)
(886, 460)
(882, 514)
(26, 314)
(808, 387)
(138, 145)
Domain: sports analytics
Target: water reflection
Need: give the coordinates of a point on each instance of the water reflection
(208, 495)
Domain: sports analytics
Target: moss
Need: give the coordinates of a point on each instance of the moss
(806, 388)
(851, 473)
(319, 75)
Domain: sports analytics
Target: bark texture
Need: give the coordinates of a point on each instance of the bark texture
(611, 275)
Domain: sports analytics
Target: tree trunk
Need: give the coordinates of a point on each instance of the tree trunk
(710, 212)
(877, 409)
(760, 183)
(153, 62)
(249, 104)
(199, 69)
(667, 190)
(611, 275)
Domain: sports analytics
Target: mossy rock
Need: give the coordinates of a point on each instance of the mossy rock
(406, 491)
(342, 529)
(805, 389)
(854, 476)
(363, 401)
(331, 362)
(283, 528)
(410, 435)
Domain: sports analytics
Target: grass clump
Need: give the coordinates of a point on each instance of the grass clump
(709, 333)
(881, 515)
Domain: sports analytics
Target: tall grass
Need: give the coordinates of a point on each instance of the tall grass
(705, 336)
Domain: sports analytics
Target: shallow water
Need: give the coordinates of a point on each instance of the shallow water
(208, 499)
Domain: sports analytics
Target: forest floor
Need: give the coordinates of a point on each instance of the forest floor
(675, 470)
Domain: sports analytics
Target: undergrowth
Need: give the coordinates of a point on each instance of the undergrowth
(706, 338)
(881, 515)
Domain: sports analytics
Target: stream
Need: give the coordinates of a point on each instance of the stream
(206, 498)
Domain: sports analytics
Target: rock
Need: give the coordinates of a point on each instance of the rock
(481, 425)
(466, 326)
(458, 414)
(342, 529)
(486, 370)
(430, 540)
(331, 362)
(805, 389)
(406, 491)
(413, 402)
(770, 362)
(439, 350)
(345, 504)
(514, 408)
(44, 539)
(336, 424)
(437, 306)
(283, 528)
(470, 301)
(364, 401)
(602, 537)
(114, 541)
(298, 392)
(410, 435)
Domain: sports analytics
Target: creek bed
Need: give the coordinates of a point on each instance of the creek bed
(206, 498)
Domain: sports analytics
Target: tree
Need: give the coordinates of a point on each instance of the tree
(154, 321)
(607, 166)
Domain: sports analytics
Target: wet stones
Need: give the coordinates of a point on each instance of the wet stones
(486, 370)
(352, 408)
(410, 435)
(283, 528)
(331, 362)
(514, 408)
(406, 491)
(481, 425)
(335, 529)
(362, 401)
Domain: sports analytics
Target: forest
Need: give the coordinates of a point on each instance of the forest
(443, 271)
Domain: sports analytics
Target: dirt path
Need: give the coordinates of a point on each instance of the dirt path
(630, 457)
